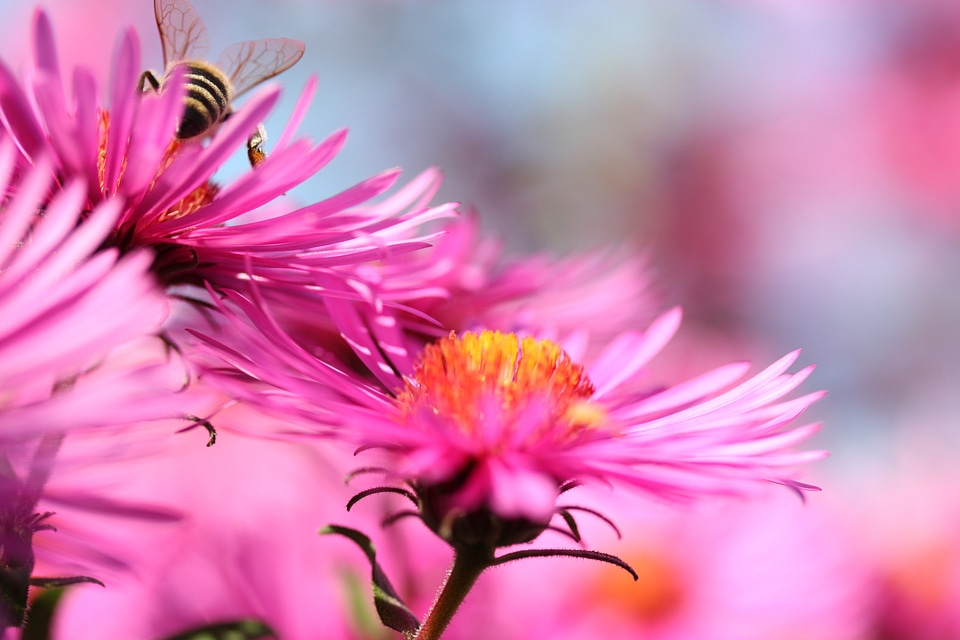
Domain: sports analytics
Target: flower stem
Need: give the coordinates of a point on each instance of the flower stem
(468, 564)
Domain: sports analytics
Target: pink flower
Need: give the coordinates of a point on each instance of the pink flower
(248, 549)
(68, 309)
(65, 304)
(494, 423)
(463, 282)
(908, 105)
(127, 149)
(769, 568)
(910, 533)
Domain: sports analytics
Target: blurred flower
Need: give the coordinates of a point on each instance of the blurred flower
(249, 548)
(66, 307)
(491, 423)
(65, 304)
(911, 533)
(128, 150)
(909, 102)
(463, 282)
(769, 568)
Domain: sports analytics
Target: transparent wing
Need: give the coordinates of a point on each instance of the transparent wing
(253, 61)
(182, 32)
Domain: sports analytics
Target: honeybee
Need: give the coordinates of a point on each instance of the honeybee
(212, 87)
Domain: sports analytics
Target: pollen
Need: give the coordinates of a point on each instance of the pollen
(531, 385)
(199, 197)
(102, 153)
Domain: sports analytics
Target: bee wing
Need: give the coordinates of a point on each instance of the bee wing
(182, 32)
(253, 61)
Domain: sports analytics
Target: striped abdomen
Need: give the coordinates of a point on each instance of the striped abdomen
(207, 99)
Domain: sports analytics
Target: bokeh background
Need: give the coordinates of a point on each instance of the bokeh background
(791, 167)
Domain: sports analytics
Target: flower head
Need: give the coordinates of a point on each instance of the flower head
(67, 307)
(224, 564)
(765, 568)
(909, 533)
(465, 283)
(496, 425)
(390, 309)
(127, 148)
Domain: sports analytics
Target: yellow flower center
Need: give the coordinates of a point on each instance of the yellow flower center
(463, 378)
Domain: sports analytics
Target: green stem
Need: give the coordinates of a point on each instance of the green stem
(467, 567)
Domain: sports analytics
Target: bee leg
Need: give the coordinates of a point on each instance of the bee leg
(255, 153)
(145, 77)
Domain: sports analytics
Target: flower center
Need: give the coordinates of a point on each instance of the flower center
(531, 385)
(199, 197)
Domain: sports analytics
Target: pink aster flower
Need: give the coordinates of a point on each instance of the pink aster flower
(465, 283)
(247, 550)
(910, 533)
(66, 304)
(770, 568)
(488, 429)
(68, 308)
(519, 417)
(126, 148)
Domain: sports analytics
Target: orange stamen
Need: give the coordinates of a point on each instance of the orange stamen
(457, 377)
(199, 197)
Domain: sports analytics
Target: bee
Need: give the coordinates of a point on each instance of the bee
(212, 87)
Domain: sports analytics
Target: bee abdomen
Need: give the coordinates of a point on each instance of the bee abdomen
(207, 100)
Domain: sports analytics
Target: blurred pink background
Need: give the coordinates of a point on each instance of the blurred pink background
(792, 167)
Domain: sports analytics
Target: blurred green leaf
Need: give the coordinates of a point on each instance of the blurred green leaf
(391, 609)
(40, 619)
(235, 630)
